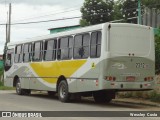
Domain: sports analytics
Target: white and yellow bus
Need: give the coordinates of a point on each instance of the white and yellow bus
(96, 61)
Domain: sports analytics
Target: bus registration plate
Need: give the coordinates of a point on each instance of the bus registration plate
(130, 78)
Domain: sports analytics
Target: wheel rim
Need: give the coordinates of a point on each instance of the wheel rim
(18, 87)
(62, 91)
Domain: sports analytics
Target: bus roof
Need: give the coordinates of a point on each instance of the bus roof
(71, 32)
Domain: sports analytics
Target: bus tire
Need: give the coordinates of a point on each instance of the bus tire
(19, 90)
(101, 97)
(63, 93)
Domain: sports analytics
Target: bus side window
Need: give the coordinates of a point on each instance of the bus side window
(86, 39)
(37, 51)
(95, 49)
(18, 54)
(65, 48)
(77, 46)
(70, 46)
(30, 51)
(50, 50)
(81, 46)
(27, 52)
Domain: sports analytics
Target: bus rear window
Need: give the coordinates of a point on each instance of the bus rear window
(125, 40)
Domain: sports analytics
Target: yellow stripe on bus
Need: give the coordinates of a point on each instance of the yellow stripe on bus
(56, 68)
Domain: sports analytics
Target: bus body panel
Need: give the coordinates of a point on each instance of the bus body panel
(131, 58)
(130, 73)
(119, 58)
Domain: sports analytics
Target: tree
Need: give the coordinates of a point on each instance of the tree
(96, 11)
(117, 13)
(151, 3)
(129, 10)
(157, 51)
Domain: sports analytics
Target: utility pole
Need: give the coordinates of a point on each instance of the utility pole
(6, 33)
(9, 23)
(139, 18)
(139, 12)
(8, 29)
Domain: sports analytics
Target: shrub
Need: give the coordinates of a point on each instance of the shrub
(1, 84)
(125, 94)
(154, 96)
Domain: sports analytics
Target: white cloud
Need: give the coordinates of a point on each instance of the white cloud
(45, 2)
(21, 12)
(37, 10)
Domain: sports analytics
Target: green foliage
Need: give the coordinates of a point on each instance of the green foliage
(100, 11)
(84, 23)
(117, 13)
(154, 96)
(96, 11)
(150, 95)
(2, 87)
(137, 94)
(124, 94)
(1, 71)
(151, 3)
(6, 88)
(1, 84)
(129, 10)
(157, 52)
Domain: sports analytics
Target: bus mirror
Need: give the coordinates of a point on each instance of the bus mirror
(109, 26)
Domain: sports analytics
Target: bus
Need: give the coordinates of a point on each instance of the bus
(97, 61)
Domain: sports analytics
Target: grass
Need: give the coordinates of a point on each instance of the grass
(154, 96)
(6, 88)
(149, 95)
(1, 84)
(2, 87)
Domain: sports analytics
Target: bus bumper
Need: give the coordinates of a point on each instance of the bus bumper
(130, 86)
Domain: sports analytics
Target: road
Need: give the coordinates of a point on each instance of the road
(40, 101)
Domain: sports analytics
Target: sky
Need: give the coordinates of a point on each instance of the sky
(36, 10)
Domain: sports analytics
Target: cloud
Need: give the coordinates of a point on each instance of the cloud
(37, 10)
(47, 2)
(21, 12)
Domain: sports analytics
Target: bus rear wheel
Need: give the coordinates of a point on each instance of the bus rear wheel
(101, 97)
(63, 93)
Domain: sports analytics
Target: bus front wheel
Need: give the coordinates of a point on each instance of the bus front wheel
(19, 90)
(63, 93)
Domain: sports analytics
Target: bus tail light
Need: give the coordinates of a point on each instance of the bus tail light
(96, 82)
(110, 78)
(148, 78)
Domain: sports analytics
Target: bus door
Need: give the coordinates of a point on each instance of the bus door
(8, 59)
